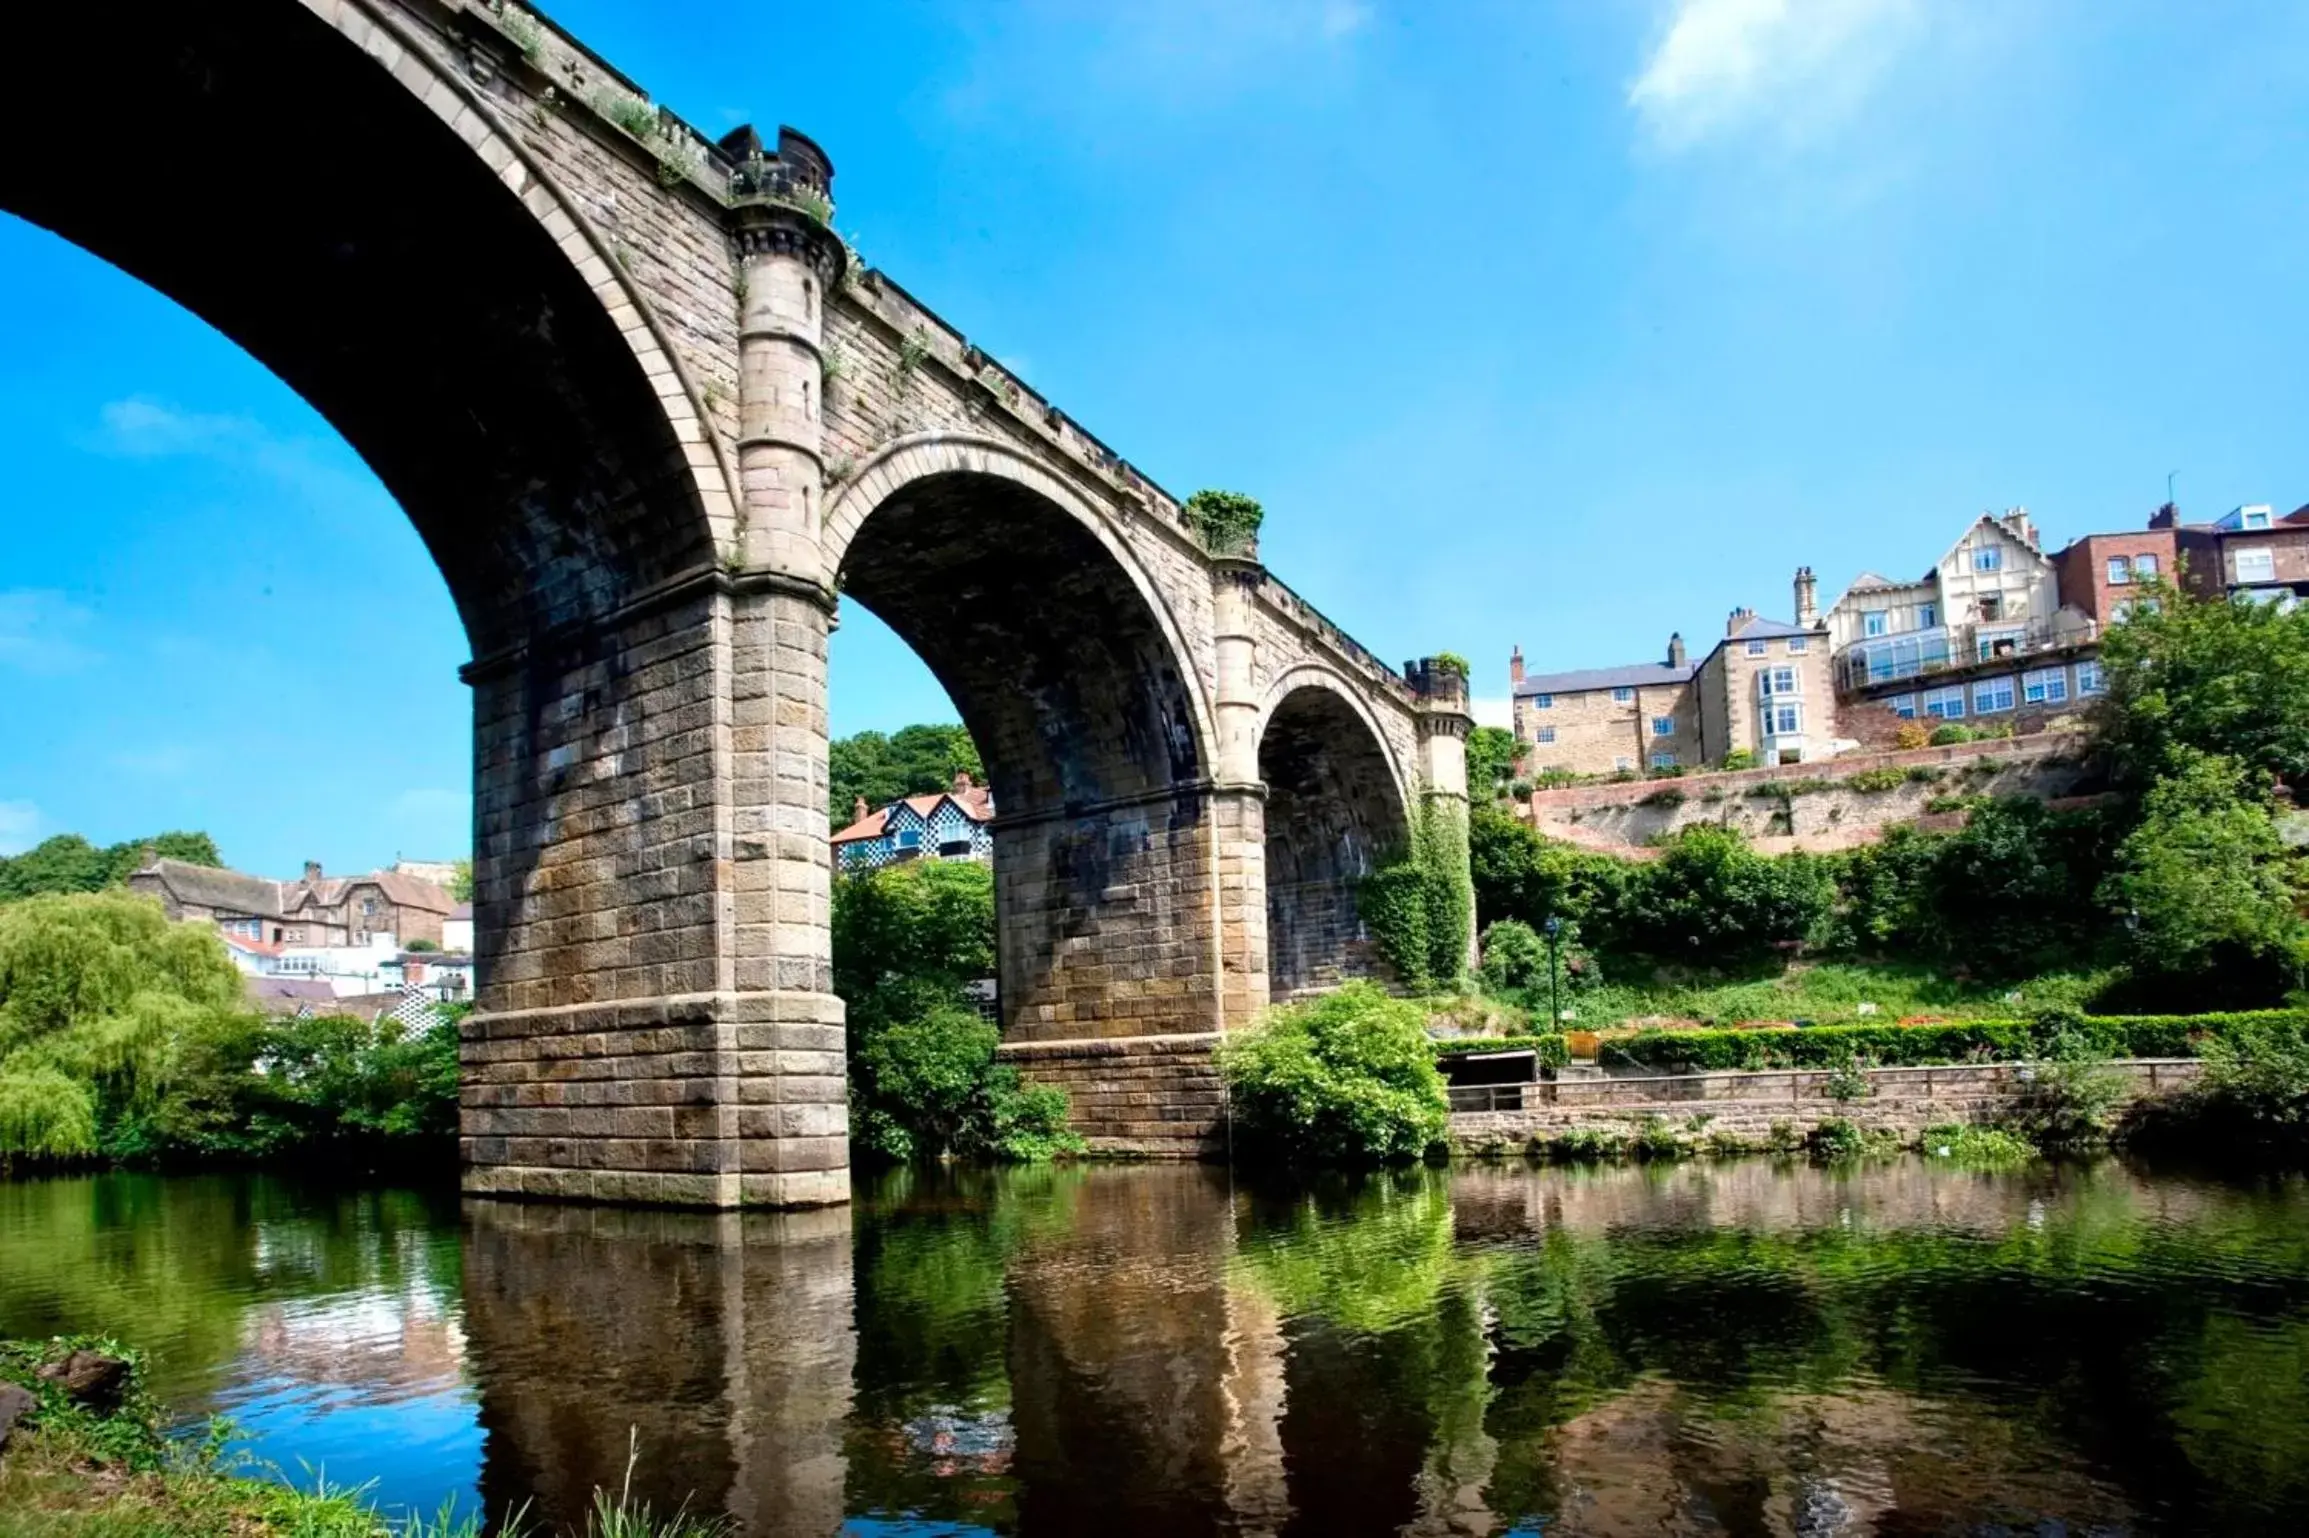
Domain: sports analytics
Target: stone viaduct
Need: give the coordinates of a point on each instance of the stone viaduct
(656, 424)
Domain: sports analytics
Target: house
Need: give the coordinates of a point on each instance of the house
(1983, 631)
(457, 929)
(2102, 575)
(1762, 689)
(952, 824)
(314, 910)
(2251, 552)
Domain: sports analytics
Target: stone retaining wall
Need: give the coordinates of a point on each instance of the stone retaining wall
(1747, 1104)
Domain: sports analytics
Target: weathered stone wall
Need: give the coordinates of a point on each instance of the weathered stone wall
(1749, 1104)
(1629, 818)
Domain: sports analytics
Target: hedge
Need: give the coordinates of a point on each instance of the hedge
(1552, 1050)
(1918, 1045)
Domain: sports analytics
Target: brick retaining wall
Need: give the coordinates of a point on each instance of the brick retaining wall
(1747, 1104)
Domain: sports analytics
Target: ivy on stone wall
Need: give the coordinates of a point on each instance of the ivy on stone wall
(1227, 522)
(1420, 907)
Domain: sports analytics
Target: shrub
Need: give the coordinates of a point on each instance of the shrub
(1348, 1078)
(1922, 1045)
(1514, 957)
(1849, 1081)
(2067, 1099)
(1738, 758)
(930, 1087)
(1947, 733)
(1836, 1138)
(1655, 1139)
(1551, 1048)
(1227, 522)
(1971, 1145)
(1713, 900)
(1911, 734)
(1586, 1145)
(1667, 798)
(2253, 1098)
(1875, 782)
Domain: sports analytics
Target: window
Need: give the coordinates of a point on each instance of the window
(1783, 719)
(1663, 760)
(1547, 734)
(1945, 704)
(1779, 681)
(2144, 568)
(2088, 678)
(2045, 686)
(1543, 702)
(2257, 565)
(954, 849)
(1797, 645)
(1987, 558)
(1758, 648)
(1622, 695)
(1872, 622)
(1903, 706)
(2120, 570)
(1992, 694)
(1663, 726)
(1992, 606)
(1927, 615)
(2252, 518)
(909, 838)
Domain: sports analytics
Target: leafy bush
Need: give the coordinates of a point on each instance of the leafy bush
(1836, 1138)
(1419, 907)
(1975, 1146)
(2067, 1099)
(1711, 899)
(1514, 957)
(1667, 798)
(1737, 759)
(1875, 782)
(1948, 733)
(1347, 1078)
(2254, 1097)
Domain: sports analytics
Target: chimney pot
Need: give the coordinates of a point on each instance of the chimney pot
(961, 782)
(313, 871)
(859, 810)
(1676, 653)
(1515, 666)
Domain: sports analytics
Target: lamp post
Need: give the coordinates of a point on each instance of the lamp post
(1553, 927)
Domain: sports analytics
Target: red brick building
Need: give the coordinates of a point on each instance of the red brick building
(2101, 574)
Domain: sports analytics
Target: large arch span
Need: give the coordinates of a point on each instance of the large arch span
(655, 430)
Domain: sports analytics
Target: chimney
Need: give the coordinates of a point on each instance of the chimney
(962, 782)
(859, 810)
(148, 858)
(2015, 521)
(2166, 517)
(313, 872)
(1515, 666)
(1737, 618)
(1676, 650)
(1807, 598)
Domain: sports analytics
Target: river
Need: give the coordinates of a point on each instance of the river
(1745, 1348)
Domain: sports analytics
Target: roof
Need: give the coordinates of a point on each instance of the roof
(976, 803)
(210, 886)
(244, 943)
(462, 911)
(289, 988)
(400, 890)
(1633, 675)
(1754, 629)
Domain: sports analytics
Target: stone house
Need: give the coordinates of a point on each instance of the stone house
(313, 910)
(1763, 688)
(1982, 632)
(952, 824)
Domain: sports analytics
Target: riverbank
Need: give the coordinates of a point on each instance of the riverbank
(82, 1453)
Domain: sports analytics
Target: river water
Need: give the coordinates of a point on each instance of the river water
(1751, 1348)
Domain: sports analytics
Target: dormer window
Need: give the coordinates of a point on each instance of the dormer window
(2253, 518)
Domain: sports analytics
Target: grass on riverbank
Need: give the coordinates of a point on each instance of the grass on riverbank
(1832, 1139)
(70, 1471)
(1831, 992)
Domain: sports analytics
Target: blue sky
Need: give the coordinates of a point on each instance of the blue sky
(1561, 324)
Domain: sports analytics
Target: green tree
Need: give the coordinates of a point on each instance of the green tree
(1347, 1078)
(2204, 876)
(909, 940)
(98, 993)
(2013, 893)
(913, 761)
(1520, 875)
(1491, 755)
(2216, 676)
(70, 863)
(461, 880)
(1710, 899)
(1514, 957)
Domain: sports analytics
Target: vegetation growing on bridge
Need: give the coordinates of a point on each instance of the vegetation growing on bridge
(1227, 522)
(1417, 906)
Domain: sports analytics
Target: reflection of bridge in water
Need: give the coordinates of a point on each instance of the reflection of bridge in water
(1127, 1351)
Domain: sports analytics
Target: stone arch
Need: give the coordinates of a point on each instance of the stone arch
(1067, 663)
(407, 267)
(1337, 805)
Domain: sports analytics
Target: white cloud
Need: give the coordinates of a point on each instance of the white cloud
(19, 826)
(1499, 712)
(1790, 67)
(141, 428)
(40, 632)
